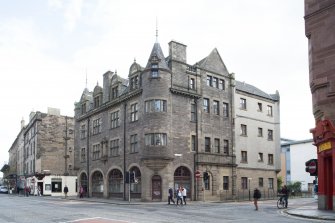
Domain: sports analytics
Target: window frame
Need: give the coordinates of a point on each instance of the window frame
(217, 145)
(151, 139)
(134, 112)
(244, 156)
(244, 130)
(243, 103)
(114, 119)
(225, 182)
(114, 149)
(133, 143)
(206, 104)
(207, 144)
(225, 109)
(216, 107)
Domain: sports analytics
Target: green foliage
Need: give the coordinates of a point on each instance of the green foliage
(279, 183)
(294, 187)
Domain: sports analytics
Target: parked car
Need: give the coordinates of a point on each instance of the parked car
(3, 189)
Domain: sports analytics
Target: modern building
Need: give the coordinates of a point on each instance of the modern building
(171, 124)
(319, 23)
(43, 147)
(294, 155)
(257, 139)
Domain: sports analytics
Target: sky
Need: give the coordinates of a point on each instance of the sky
(50, 50)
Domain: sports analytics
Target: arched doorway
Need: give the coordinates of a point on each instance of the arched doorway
(83, 181)
(97, 184)
(135, 188)
(115, 184)
(156, 183)
(182, 177)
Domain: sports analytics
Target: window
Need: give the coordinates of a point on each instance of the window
(225, 182)
(244, 183)
(192, 83)
(155, 139)
(209, 81)
(96, 101)
(221, 84)
(83, 155)
(269, 109)
(260, 132)
(217, 145)
(193, 143)
(270, 134)
(115, 119)
(83, 108)
(260, 182)
(260, 107)
(155, 105)
(96, 152)
(270, 159)
(260, 157)
(193, 113)
(207, 182)
(114, 147)
(216, 109)
(206, 105)
(243, 130)
(115, 92)
(133, 143)
(207, 144)
(96, 126)
(215, 82)
(133, 112)
(226, 147)
(154, 70)
(244, 156)
(243, 103)
(270, 183)
(134, 82)
(82, 131)
(225, 109)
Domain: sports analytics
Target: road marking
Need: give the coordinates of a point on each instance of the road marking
(96, 220)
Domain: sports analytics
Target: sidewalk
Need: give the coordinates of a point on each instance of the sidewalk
(310, 211)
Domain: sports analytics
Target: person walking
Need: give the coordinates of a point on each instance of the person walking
(170, 198)
(81, 192)
(39, 191)
(284, 192)
(66, 190)
(257, 196)
(179, 196)
(184, 193)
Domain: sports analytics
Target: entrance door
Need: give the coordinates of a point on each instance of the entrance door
(329, 183)
(156, 188)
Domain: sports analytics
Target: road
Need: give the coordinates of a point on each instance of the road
(15, 209)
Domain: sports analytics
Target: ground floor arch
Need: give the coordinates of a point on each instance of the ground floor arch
(83, 181)
(183, 177)
(97, 184)
(115, 184)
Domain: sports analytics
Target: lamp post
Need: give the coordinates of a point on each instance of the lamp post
(249, 179)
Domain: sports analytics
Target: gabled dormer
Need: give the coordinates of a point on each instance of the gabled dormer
(97, 96)
(85, 101)
(134, 76)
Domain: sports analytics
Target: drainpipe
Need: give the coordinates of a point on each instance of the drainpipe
(124, 151)
(196, 149)
(88, 156)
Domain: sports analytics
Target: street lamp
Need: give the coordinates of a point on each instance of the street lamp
(249, 179)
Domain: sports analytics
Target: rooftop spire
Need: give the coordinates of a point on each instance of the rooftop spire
(156, 30)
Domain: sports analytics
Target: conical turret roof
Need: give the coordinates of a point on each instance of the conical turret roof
(157, 56)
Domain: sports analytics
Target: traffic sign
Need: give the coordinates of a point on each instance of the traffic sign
(312, 167)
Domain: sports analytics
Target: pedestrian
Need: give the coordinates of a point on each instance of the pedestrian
(184, 193)
(81, 192)
(179, 196)
(284, 192)
(170, 198)
(39, 191)
(257, 195)
(66, 190)
(26, 191)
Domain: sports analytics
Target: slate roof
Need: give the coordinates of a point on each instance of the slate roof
(157, 51)
(242, 86)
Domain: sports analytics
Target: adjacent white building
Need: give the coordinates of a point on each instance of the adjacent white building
(294, 155)
(257, 144)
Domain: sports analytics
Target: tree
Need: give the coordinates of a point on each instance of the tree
(279, 182)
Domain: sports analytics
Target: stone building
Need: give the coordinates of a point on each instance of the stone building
(257, 139)
(319, 29)
(43, 147)
(168, 121)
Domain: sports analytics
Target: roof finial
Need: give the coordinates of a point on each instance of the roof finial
(156, 30)
(86, 79)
